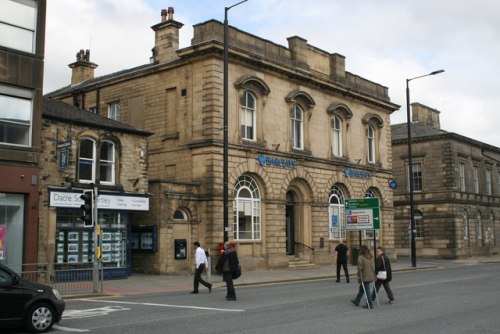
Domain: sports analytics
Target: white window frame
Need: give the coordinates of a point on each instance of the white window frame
(16, 113)
(371, 144)
(248, 116)
(107, 164)
(476, 179)
(462, 177)
(248, 208)
(488, 182)
(114, 111)
(336, 208)
(84, 161)
(337, 136)
(419, 223)
(18, 20)
(417, 177)
(297, 127)
(479, 226)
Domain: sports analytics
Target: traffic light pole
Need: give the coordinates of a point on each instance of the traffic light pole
(97, 244)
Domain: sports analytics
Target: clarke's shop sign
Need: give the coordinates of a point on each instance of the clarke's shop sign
(266, 160)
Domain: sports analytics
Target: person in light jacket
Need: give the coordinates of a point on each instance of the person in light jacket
(366, 275)
(383, 263)
(227, 265)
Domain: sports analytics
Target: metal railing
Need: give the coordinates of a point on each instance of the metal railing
(68, 279)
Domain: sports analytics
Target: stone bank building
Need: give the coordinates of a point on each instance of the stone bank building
(304, 136)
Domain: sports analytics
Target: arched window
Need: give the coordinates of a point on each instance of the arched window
(297, 124)
(465, 223)
(479, 225)
(336, 213)
(248, 116)
(86, 161)
(491, 219)
(371, 144)
(419, 223)
(107, 162)
(246, 206)
(179, 215)
(337, 136)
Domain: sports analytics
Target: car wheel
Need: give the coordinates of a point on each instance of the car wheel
(40, 318)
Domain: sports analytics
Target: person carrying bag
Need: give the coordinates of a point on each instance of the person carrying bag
(383, 264)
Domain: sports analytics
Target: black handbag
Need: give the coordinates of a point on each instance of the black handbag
(237, 273)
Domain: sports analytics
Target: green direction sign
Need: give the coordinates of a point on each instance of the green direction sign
(363, 213)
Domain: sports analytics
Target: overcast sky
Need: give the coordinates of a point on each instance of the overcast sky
(385, 41)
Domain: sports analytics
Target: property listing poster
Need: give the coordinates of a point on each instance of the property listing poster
(2, 241)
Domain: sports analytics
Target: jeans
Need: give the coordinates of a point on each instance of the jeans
(361, 293)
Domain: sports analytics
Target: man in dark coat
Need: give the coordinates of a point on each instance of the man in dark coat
(227, 265)
(382, 263)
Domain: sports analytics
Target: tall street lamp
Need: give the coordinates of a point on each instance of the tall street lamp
(410, 168)
(225, 149)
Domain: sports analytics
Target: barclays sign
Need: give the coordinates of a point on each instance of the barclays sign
(266, 160)
(356, 173)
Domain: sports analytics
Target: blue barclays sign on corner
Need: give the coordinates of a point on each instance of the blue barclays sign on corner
(356, 173)
(266, 160)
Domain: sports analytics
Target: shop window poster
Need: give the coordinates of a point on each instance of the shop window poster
(2, 242)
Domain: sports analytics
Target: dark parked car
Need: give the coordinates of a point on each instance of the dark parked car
(36, 307)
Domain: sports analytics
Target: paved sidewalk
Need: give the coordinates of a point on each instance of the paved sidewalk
(144, 284)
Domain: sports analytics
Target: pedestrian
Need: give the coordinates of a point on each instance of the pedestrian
(227, 265)
(382, 263)
(201, 262)
(341, 256)
(366, 275)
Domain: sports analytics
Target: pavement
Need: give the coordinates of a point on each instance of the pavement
(151, 284)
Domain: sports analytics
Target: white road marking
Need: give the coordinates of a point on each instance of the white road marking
(67, 329)
(93, 312)
(164, 305)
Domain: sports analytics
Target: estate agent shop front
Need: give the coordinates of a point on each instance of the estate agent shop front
(74, 242)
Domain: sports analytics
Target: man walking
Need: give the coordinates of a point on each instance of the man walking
(201, 262)
(342, 254)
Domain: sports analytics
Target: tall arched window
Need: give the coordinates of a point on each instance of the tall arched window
(491, 219)
(297, 124)
(479, 225)
(336, 213)
(337, 136)
(371, 144)
(246, 206)
(465, 223)
(248, 116)
(86, 161)
(419, 223)
(107, 162)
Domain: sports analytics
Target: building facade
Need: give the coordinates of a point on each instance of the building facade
(304, 135)
(22, 31)
(82, 151)
(456, 190)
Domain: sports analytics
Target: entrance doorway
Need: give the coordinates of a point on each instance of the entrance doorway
(290, 223)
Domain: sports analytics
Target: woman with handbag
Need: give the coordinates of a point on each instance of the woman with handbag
(383, 264)
(228, 265)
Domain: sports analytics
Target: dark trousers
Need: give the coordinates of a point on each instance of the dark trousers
(387, 289)
(346, 272)
(198, 279)
(228, 278)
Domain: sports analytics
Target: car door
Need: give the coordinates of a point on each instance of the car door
(13, 296)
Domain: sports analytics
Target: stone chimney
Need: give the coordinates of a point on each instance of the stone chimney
(298, 49)
(426, 115)
(166, 37)
(82, 68)
(337, 65)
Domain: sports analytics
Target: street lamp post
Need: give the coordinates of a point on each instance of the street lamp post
(225, 116)
(410, 168)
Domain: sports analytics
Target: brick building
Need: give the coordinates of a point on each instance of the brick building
(304, 136)
(22, 43)
(456, 194)
(82, 151)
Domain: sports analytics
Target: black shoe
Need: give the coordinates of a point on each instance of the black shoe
(354, 302)
(194, 292)
(368, 307)
(337, 281)
(210, 288)
(231, 298)
(348, 281)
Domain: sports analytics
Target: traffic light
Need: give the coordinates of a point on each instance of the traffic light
(88, 208)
